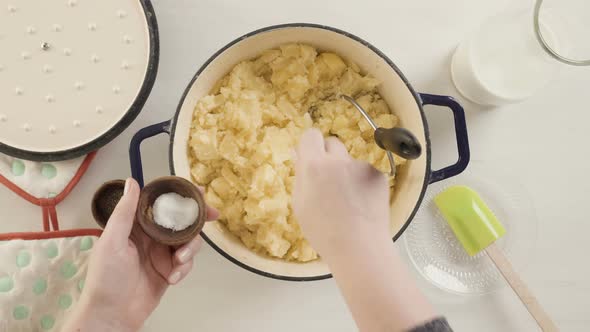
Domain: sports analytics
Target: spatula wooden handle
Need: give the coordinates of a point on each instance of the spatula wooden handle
(521, 289)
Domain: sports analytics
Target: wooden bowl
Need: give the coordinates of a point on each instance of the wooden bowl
(105, 199)
(148, 196)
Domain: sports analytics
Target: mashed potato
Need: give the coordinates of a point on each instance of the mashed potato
(244, 132)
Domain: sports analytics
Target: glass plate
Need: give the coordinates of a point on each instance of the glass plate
(440, 258)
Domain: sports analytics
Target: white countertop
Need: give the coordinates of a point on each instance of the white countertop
(419, 37)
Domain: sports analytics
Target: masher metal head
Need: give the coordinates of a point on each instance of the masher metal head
(399, 141)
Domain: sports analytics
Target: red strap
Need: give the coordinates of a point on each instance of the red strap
(50, 235)
(53, 217)
(45, 219)
(85, 164)
(48, 204)
(49, 215)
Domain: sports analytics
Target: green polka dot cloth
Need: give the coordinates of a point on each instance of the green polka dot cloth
(41, 281)
(39, 179)
(44, 184)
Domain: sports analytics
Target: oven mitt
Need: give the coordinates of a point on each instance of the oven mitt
(38, 179)
(42, 273)
(43, 183)
(41, 280)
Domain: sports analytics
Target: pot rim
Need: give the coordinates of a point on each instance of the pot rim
(416, 96)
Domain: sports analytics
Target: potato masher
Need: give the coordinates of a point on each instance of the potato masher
(399, 141)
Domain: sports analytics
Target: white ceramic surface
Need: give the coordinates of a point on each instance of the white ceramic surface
(419, 36)
(410, 178)
(69, 70)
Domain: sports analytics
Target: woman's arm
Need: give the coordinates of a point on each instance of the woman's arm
(342, 206)
(380, 293)
(128, 272)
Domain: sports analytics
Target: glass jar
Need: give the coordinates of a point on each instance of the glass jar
(515, 53)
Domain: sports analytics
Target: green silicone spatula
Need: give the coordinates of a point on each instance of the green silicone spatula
(477, 228)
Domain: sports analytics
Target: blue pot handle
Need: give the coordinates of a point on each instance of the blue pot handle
(461, 134)
(134, 147)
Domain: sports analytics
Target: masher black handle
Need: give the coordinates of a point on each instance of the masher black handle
(400, 141)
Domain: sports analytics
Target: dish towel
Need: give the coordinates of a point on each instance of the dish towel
(42, 273)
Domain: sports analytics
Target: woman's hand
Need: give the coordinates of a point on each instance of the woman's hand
(338, 201)
(129, 272)
(342, 206)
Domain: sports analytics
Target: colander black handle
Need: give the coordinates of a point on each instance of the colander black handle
(461, 134)
(135, 145)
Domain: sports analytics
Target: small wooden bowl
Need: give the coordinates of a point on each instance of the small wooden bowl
(148, 196)
(105, 199)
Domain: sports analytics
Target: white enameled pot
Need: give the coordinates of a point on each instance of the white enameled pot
(407, 104)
